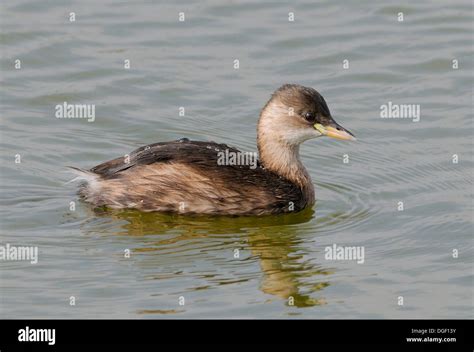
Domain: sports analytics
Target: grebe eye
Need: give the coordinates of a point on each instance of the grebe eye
(309, 116)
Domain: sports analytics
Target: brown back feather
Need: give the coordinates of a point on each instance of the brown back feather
(256, 185)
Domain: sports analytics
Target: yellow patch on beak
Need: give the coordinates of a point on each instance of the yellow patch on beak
(333, 132)
(320, 128)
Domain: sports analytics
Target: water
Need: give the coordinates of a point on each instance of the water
(408, 253)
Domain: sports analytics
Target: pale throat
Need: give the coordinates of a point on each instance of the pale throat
(284, 160)
(279, 150)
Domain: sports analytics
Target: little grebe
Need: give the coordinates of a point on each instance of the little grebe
(188, 177)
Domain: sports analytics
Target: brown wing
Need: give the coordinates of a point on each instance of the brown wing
(181, 151)
(265, 190)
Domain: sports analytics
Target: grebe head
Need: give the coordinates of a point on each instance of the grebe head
(295, 114)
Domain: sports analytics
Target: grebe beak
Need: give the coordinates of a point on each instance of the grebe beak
(334, 130)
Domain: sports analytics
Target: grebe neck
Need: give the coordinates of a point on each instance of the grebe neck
(284, 160)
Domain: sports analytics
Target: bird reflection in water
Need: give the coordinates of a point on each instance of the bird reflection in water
(277, 243)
